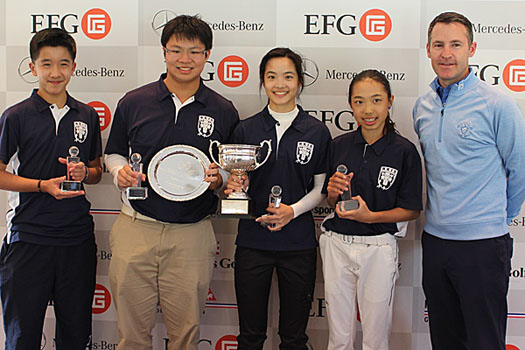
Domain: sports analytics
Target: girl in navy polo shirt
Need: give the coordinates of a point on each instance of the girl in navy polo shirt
(283, 238)
(358, 247)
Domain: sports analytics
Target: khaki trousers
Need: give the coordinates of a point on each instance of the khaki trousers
(160, 263)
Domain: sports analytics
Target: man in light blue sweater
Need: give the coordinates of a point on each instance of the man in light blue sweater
(472, 137)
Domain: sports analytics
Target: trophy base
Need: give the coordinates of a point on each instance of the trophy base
(350, 204)
(71, 186)
(240, 208)
(136, 193)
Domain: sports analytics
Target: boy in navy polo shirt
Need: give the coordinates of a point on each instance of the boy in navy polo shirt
(168, 246)
(49, 252)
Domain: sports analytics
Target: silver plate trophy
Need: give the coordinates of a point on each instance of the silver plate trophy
(136, 192)
(238, 160)
(346, 203)
(71, 185)
(177, 173)
(275, 199)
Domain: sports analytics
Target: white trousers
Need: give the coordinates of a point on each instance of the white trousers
(359, 271)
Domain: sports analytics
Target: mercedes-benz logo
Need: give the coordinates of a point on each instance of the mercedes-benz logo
(160, 19)
(25, 73)
(311, 71)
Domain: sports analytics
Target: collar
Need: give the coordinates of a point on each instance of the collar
(269, 121)
(379, 146)
(42, 105)
(459, 87)
(162, 90)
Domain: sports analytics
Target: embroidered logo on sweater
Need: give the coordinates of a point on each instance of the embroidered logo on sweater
(205, 126)
(387, 176)
(304, 152)
(464, 128)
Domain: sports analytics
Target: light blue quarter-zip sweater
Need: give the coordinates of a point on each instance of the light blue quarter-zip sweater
(474, 151)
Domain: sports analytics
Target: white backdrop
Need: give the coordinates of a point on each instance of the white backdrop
(119, 49)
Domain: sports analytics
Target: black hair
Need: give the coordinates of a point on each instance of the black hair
(379, 77)
(283, 52)
(452, 17)
(190, 28)
(53, 37)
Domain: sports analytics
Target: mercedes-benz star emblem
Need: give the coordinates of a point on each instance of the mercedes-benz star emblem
(311, 71)
(25, 73)
(160, 19)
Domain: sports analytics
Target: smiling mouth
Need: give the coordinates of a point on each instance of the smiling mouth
(280, 93)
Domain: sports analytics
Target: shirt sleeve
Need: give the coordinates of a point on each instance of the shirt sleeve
(510, 141)
(409, 195)
(312, 198)
(9, 137)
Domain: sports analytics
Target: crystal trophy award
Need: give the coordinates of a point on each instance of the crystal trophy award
(136, 192)
(346, 203)
(71, 185)
(275, 199)
(238, 160)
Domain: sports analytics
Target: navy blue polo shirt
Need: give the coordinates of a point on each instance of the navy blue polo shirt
(144, 122)
(302, 153)
(30, 141)
(387, 175)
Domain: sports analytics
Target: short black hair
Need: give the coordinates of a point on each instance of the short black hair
(452, 17)
(282, 52)
(190, 28)
(53, 37)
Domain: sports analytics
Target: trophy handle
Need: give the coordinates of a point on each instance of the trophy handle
(212, 142)
(269, 143)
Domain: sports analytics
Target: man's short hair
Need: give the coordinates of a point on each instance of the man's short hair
(452, 17)
(188, 27)
(53, 37)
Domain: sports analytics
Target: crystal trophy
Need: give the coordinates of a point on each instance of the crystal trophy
(70, 185)
(346, 202)
(136, 192)
(275, 199)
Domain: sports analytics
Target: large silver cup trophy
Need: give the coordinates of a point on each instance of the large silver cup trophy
(238, 160)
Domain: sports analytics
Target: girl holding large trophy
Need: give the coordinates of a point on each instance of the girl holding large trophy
(282, 237)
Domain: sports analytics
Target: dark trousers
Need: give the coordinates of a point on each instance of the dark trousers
(466, 285)
(253, 277)
(31, 275)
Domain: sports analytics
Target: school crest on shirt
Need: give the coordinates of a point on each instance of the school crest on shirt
(387, 176)
(205, 126)
(80, 131)
(304, 152)
(464, 128)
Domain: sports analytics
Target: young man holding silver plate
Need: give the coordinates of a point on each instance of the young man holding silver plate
(166, 241)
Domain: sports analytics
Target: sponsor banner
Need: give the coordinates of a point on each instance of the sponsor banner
(221, 305)
(328, 74)
(103, 103)
(2, 15)
(3, 59)
(248, 105)
(91, 23)
(103, 303)
(234, 22)
(406, 263)
(335, 23)
(516, 315)
(103, 250)
(94, 71)
(419, 311)
(224, 259)
(491, 31)
(2, 102)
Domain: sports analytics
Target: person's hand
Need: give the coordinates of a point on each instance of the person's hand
(76, 171)
(52, 187)
(337, 184)
(128, 178)
(236, 183)
(361, 214)
(280, 216)
(213, 176)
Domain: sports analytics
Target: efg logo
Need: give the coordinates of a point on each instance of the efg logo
(374, 25)
(101, 299)
(103, 112)
(96, 23)
(511, 347)
(343, 120)
(227, 342)
(514, 75)
(233, 71)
